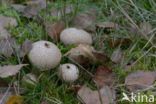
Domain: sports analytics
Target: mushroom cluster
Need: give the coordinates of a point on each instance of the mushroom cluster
(45, 55)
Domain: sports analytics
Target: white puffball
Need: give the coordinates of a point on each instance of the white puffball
(75, 36)
(68, 72)
(44, 55)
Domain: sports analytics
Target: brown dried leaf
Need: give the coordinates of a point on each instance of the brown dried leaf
(25, 48)
(10, 70)
(81, 54)
(6, 47)
(86, 20)
(140, 80)
(104, 76)
(88, 96)
(87, 54)
(55, 29)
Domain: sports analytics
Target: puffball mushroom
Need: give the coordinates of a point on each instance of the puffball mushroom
(68, 72)
(44, 55)
(75, 36)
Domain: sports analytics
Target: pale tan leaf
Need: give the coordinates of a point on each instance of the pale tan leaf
(88, 96)
(140, 80)
(25, 48)
(54, 29)
(10, 70)
(7, 21)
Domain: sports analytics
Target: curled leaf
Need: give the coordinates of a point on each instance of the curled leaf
(25, 48)
(10, 70)
(104, 76)
(81, 54)
(55, 29)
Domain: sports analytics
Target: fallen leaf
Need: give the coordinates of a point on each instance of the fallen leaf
(4, 34)
(15, 99)
(104, 76)
(10, 70)
(6, 22)
(86, 54)
(18, 7)
(88, 96)
(140, 80)
(6, 46)
(86, 20)
(25, 48)
(107, 25)
(81, 54)
(32, 8)
(117, 56)
(55, 29)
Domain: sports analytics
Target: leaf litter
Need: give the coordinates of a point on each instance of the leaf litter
(140, 80)
(105, 95)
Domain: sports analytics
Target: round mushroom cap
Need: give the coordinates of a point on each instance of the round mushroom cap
(44, 55)
(75, 36)
(68, 72)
